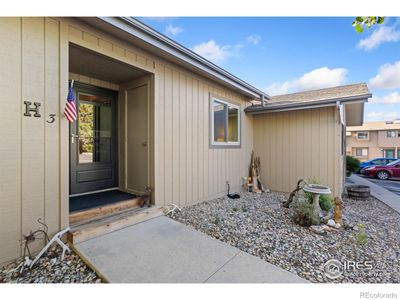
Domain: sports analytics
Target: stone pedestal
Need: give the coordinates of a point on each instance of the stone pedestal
(316, 207)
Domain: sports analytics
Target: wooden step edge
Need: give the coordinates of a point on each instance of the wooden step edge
(106, 218)
(100, 211)
(84, 234)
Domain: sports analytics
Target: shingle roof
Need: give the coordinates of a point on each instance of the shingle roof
(308, 99)
(344, 91)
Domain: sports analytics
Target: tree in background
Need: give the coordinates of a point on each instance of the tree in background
(366, 22)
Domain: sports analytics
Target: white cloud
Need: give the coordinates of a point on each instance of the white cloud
(254, 39)
(392, 98)
(381, 116)
(381, 35)
(173, 30)
(212, 51)
(388, 77)
(316, 79)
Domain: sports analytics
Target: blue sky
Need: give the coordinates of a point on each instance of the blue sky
(283, 55)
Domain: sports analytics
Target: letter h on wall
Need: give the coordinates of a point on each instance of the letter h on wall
(29, 109)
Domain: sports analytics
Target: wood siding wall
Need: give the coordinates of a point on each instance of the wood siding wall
(299, 144)
(34, 169)
(30, 147)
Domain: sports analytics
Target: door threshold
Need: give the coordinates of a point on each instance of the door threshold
(94, 192)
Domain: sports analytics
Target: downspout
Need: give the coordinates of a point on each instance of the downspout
(263, 100)
(340, 107)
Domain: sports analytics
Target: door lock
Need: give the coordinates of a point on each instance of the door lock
(144, 144)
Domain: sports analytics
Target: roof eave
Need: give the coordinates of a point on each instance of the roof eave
(163, 43)
(306, 105)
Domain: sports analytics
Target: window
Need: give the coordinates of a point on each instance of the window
(362, 135)
(391, 133)
(361, 152)
(225, 123)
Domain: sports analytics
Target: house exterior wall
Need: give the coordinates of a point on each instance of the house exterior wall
(299, 145)
(377, 142)
(34, 178)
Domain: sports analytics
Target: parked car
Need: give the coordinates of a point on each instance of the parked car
(391, 170)
(375, 162)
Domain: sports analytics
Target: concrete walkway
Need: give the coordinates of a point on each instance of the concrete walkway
(378, 192)
(162, 250)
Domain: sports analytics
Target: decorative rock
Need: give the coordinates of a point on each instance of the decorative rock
(331, 223)
(266, 230)
(337, 226)
(317, 229)
(50, 269)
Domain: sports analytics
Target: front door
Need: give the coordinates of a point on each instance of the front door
(93, 147)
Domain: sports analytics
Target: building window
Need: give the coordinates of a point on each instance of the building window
(225, 123)
(362, 135)
(391, 133)
(388, 153)
(361, 152)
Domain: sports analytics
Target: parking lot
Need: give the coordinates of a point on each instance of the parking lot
(390, 184)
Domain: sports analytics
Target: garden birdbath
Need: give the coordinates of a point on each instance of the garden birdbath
(316, 190)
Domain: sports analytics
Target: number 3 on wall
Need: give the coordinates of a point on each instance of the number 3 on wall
(52, 118)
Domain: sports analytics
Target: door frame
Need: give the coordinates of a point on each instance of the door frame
(147, 81)
(87, 88)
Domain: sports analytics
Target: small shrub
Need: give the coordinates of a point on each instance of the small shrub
(235, 209)
(326, 202)
(244, 208)
(302, 213)
(217, 220)
(352, 165)
(361, 235)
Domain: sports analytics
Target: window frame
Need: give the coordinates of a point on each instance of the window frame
(362, 149)
(366, 139)
(228, 103)
(391, 134)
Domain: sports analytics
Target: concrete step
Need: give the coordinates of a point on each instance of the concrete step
(92, 228)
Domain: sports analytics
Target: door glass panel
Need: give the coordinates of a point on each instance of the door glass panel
(219, 111)
(94, 129)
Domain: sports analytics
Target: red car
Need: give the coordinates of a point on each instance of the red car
(391, 170)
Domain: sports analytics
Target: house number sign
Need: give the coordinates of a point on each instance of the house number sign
(34, 108)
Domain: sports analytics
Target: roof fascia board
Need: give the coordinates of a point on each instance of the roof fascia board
(151, 37)
(306, 105)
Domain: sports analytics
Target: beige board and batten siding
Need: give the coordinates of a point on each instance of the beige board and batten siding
(34, 169)
(299, 144)
(30, 149)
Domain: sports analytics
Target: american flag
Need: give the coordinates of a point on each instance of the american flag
(70, 107)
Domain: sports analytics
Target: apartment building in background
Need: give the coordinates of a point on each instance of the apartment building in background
(374, 139)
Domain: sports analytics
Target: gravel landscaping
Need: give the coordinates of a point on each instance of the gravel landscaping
(50, 269)
(259, 225)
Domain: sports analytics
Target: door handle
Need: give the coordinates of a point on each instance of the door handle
(73, 136)
(144, 144)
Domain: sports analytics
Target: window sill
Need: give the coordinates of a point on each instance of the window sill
(225, 145)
